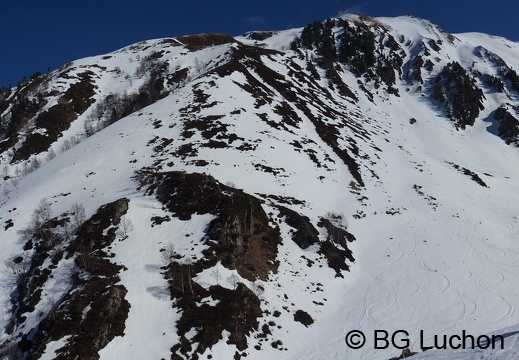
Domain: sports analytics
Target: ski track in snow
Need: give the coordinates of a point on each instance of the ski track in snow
(404, 289)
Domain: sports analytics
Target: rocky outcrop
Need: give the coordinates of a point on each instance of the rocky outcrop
(508, 124)
(240, 236)
(335, 248)
(303, 317)
(58, 118)
(358, 44)
(459, 94)
(93, 309)
(91, 234)
(305, 234)
(236, 312)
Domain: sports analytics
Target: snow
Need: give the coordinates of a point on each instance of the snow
(279, 40)
(440, 268)
(50, 351)
(150, 325)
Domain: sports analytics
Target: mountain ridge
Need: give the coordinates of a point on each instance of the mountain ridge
(280, 170)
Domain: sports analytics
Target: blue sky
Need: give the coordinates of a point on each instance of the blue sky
(37, 35)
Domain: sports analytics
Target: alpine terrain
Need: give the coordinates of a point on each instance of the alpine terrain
(262, 196)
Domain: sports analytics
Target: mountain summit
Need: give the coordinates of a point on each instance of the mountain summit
(218, 197)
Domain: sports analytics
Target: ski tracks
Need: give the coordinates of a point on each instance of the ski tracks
(437, 280)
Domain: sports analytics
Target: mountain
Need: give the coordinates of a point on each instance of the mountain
(218, 197)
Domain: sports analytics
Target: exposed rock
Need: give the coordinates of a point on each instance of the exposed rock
(405, 354)
(305, 234)
(58, 118)
(459, 93)
(92, 311)
(303, 317)
(336, 255)
(336, 234)
(236, 312)
(200, 41)
(240, 236)
(91, 234)
(473, 176)
(104, 321)
(508, 124)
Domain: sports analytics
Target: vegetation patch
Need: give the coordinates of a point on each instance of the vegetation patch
(22, 110)
(24, 101)
(511, 75)
(117, 106)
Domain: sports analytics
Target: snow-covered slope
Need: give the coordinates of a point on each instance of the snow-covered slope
(264, 196)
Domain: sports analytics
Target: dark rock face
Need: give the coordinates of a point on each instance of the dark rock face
(335, 248)
(358, 46)
(508, 125)
(303, 317)
(90, 234)
(305, 234)
(459, 93)
(240, 236)
(237, 311)
(93, 310)
(472, 175)
(336, 234)
(104, 320)
(196, 42)
(58, 118)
